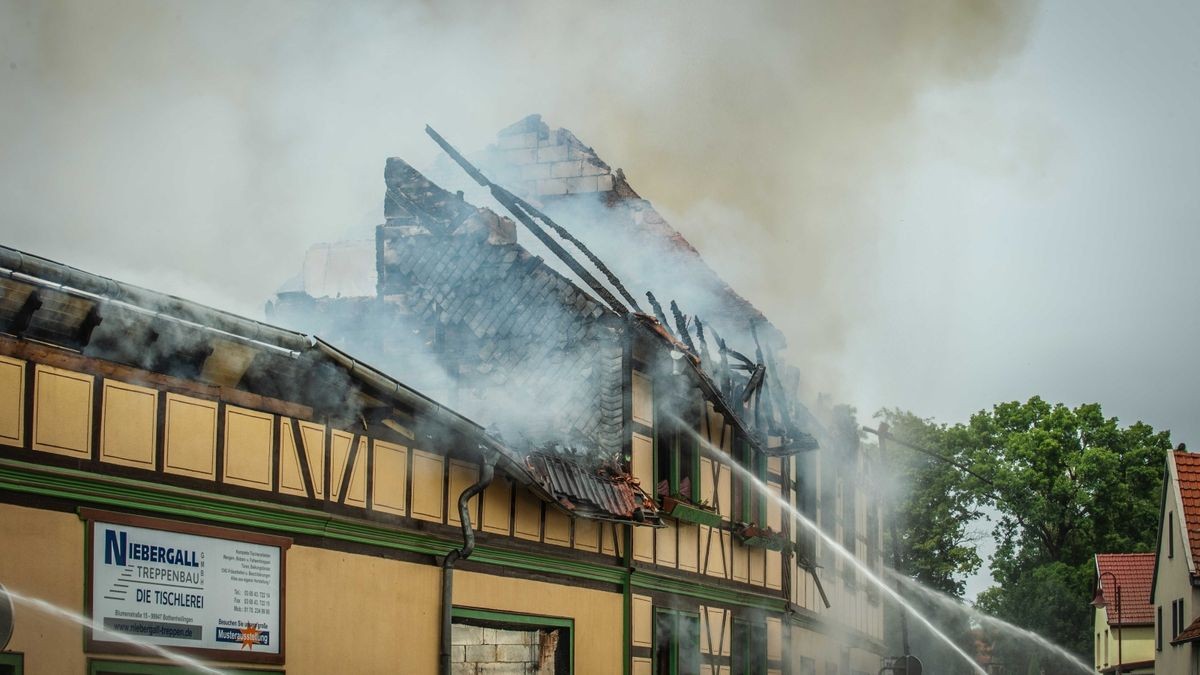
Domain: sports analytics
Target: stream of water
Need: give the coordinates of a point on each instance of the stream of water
(55, 610)
(718, 455)
(954, 604)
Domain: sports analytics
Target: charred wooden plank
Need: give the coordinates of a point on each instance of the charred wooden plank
(658, 312)
(565, 234)
(510, 202)
(681, 326)
(20, 321)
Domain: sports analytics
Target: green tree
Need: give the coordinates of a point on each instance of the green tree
(932, 509)
(1068, 483)
(932, 504)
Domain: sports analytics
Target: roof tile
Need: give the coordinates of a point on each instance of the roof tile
(1188, 466)
(1133, 573)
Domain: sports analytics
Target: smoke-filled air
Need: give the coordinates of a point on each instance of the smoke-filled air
(547, 337)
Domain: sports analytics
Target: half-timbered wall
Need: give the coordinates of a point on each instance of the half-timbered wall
(794, 645)
(62, 407)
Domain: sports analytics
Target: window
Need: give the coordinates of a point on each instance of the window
(676, 642)
(828, 510)
(749, 505)
(1106, 648)
(12, 663)
(749, 647)
(806, 498)
(1176, 617)
(1158, 630)
(1170, 534)
(532, 643)
(849, 517)
(873, 531)
(676, 459)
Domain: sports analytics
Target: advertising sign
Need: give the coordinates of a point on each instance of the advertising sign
(177, 589)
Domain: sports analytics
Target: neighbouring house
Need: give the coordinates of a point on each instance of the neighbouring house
(1175, 595)
(1124, 617)
(690, 395)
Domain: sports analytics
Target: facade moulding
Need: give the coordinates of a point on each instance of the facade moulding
(169, 501)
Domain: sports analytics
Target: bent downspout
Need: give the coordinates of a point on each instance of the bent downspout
(487, 470)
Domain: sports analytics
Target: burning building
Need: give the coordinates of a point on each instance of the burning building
(618, 350)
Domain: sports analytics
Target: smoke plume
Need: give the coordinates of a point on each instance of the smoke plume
(200, 148)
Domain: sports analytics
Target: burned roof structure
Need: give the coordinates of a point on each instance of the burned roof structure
(536, 347)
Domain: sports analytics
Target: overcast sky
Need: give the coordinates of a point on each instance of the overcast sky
(944, 206)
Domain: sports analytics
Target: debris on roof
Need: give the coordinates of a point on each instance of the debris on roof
(603, 492)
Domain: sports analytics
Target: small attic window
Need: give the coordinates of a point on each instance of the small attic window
(1170, 534)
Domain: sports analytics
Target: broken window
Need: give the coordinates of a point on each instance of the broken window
(676, 457)
(676, 642)
(806, 500)
(749, 501)
(515, 644)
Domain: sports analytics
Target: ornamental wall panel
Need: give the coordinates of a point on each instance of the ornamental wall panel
(741, 563)
(643, 399)
(191, 437)
(641, 620)
(428, 486)
(311, 442)
(62, 418)
(128, 425)
(689, 547)
(664, 545)
(774, 639)
(12, 401)
(643, 470)
(587, 535)
(462, 476)
(356, 489)
(497, 506)
(528, 523)
(558, 527)
(249, 435)
(291, 479)
(390, 479)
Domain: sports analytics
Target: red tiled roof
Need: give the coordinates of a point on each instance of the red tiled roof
(1188, 466)
(1134, 573)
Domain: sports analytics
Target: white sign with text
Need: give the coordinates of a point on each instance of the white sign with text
(185, 590)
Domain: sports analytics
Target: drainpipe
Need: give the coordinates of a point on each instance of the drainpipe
(486, 472)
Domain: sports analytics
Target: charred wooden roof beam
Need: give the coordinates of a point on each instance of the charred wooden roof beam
(512, 203)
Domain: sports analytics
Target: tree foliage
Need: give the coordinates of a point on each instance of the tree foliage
(1066, 483)
(932, 505)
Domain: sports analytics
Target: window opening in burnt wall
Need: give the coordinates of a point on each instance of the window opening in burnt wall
(676, 450)
(676, 642)
(486, 641)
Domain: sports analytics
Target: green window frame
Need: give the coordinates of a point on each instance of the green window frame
(527, 621)
(749, 504)
(749, 647)
(676, 456)
(12, 663)
(110, 667)
(676, 642)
